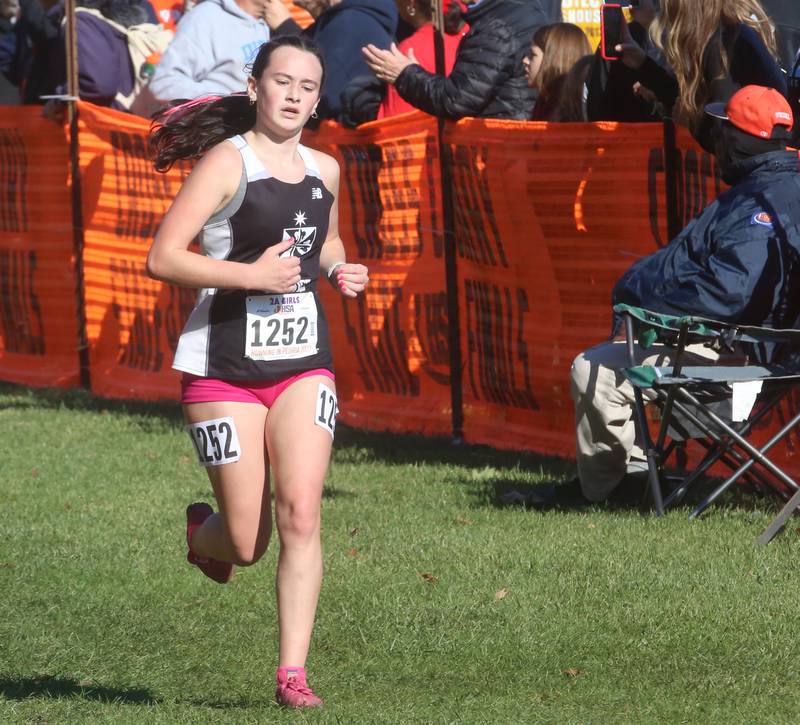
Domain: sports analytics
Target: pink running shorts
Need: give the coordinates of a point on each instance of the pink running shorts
(195, 389)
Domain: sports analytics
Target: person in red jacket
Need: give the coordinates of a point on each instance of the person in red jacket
(419, 14)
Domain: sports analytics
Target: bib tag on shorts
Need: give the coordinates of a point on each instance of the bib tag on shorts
(281, 327)
(327, 409)
(215, 441)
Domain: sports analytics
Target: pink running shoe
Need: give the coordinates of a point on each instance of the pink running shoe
(293, 690)
(219, 571)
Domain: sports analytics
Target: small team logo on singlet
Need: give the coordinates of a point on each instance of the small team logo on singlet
(316, 192)
(302, 238)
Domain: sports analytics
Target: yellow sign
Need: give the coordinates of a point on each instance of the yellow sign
(585, 14)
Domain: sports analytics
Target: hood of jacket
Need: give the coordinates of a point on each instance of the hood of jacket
(384, 12)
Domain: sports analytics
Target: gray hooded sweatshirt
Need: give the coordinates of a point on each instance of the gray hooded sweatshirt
(213, 44)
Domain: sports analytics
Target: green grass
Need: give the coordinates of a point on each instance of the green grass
(609, 616)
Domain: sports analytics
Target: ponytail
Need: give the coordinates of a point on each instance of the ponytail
(190, 128)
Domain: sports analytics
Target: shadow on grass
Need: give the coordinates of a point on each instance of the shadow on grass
(48, 686)
(21, 398)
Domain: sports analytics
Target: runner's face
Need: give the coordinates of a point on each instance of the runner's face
(288, 90)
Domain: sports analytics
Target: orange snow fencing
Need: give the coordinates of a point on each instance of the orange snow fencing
(546, 218)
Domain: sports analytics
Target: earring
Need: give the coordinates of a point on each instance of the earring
(252, 101)
(411, 9)
(314, 114)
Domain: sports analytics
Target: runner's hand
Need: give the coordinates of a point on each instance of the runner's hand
(351, 278)
(273, 273)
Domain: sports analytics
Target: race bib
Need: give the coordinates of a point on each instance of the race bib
(281, 327)
(215, 441)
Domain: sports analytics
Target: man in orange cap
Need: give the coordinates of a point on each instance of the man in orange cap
(737, 261)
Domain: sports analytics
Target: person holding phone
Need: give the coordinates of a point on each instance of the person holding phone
(714, 47)
(614, 90)
(258, 388)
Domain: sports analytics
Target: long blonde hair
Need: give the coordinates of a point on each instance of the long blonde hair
(683, 31)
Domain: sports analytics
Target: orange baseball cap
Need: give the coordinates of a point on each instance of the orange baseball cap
(756, 110)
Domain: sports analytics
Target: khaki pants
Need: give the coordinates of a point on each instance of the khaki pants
(605, 432)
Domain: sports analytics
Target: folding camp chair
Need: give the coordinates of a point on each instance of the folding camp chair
(709, 402)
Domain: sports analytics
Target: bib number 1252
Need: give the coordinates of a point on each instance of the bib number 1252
(215, 441)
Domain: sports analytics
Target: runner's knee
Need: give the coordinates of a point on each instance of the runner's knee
(298, 520)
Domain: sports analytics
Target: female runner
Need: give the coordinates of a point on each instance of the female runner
(258, 385)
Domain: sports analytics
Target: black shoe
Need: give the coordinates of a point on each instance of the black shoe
(566, 495)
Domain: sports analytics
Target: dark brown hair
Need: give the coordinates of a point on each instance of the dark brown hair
(187, 129)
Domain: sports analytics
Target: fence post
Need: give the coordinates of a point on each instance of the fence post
(75, 191)
(450, 252)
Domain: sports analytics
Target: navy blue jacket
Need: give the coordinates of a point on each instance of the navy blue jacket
(739, 260)
(341, 31)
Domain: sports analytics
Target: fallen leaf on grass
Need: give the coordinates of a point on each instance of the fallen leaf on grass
(34, 473)
(151, 455)
(67, 506)
(464, 521)
(430, 578)
(573, 672)
(354, 531)
(184, 460)
(85, 683)
(501, 594)
(352, 552)
(591, 526)
(7, 565)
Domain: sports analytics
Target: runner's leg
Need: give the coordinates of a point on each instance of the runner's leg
(240, 531)
(299, 451)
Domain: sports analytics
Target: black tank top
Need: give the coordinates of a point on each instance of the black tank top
(252, 334)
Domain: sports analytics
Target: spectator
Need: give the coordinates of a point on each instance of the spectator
(488, 79)
(614, 91)
(555, 51)
(419, 14)
(212, 47)
(32, 56)
(341, 28)
(786, 17)
(735, 262)
(714, 47)
(106, 75)
(9, 12)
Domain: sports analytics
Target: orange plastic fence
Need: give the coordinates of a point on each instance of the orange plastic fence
(133, 322)
(38, 328)
(547, 217)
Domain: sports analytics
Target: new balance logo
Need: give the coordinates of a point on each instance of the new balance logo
(316, 193)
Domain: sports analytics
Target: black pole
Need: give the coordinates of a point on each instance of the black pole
(75, 191)
(450, 254)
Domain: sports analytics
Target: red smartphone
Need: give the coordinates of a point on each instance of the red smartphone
(611, 20)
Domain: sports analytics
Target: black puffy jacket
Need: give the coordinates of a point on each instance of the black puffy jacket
(487, 80)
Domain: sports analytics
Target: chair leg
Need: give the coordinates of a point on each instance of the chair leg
(653, 463)
(778, 522)
(757, 455)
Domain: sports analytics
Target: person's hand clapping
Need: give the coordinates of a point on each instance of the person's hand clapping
(274, 13)
(387, 64)
(273, 273)
(350, 278)
(632, 54)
